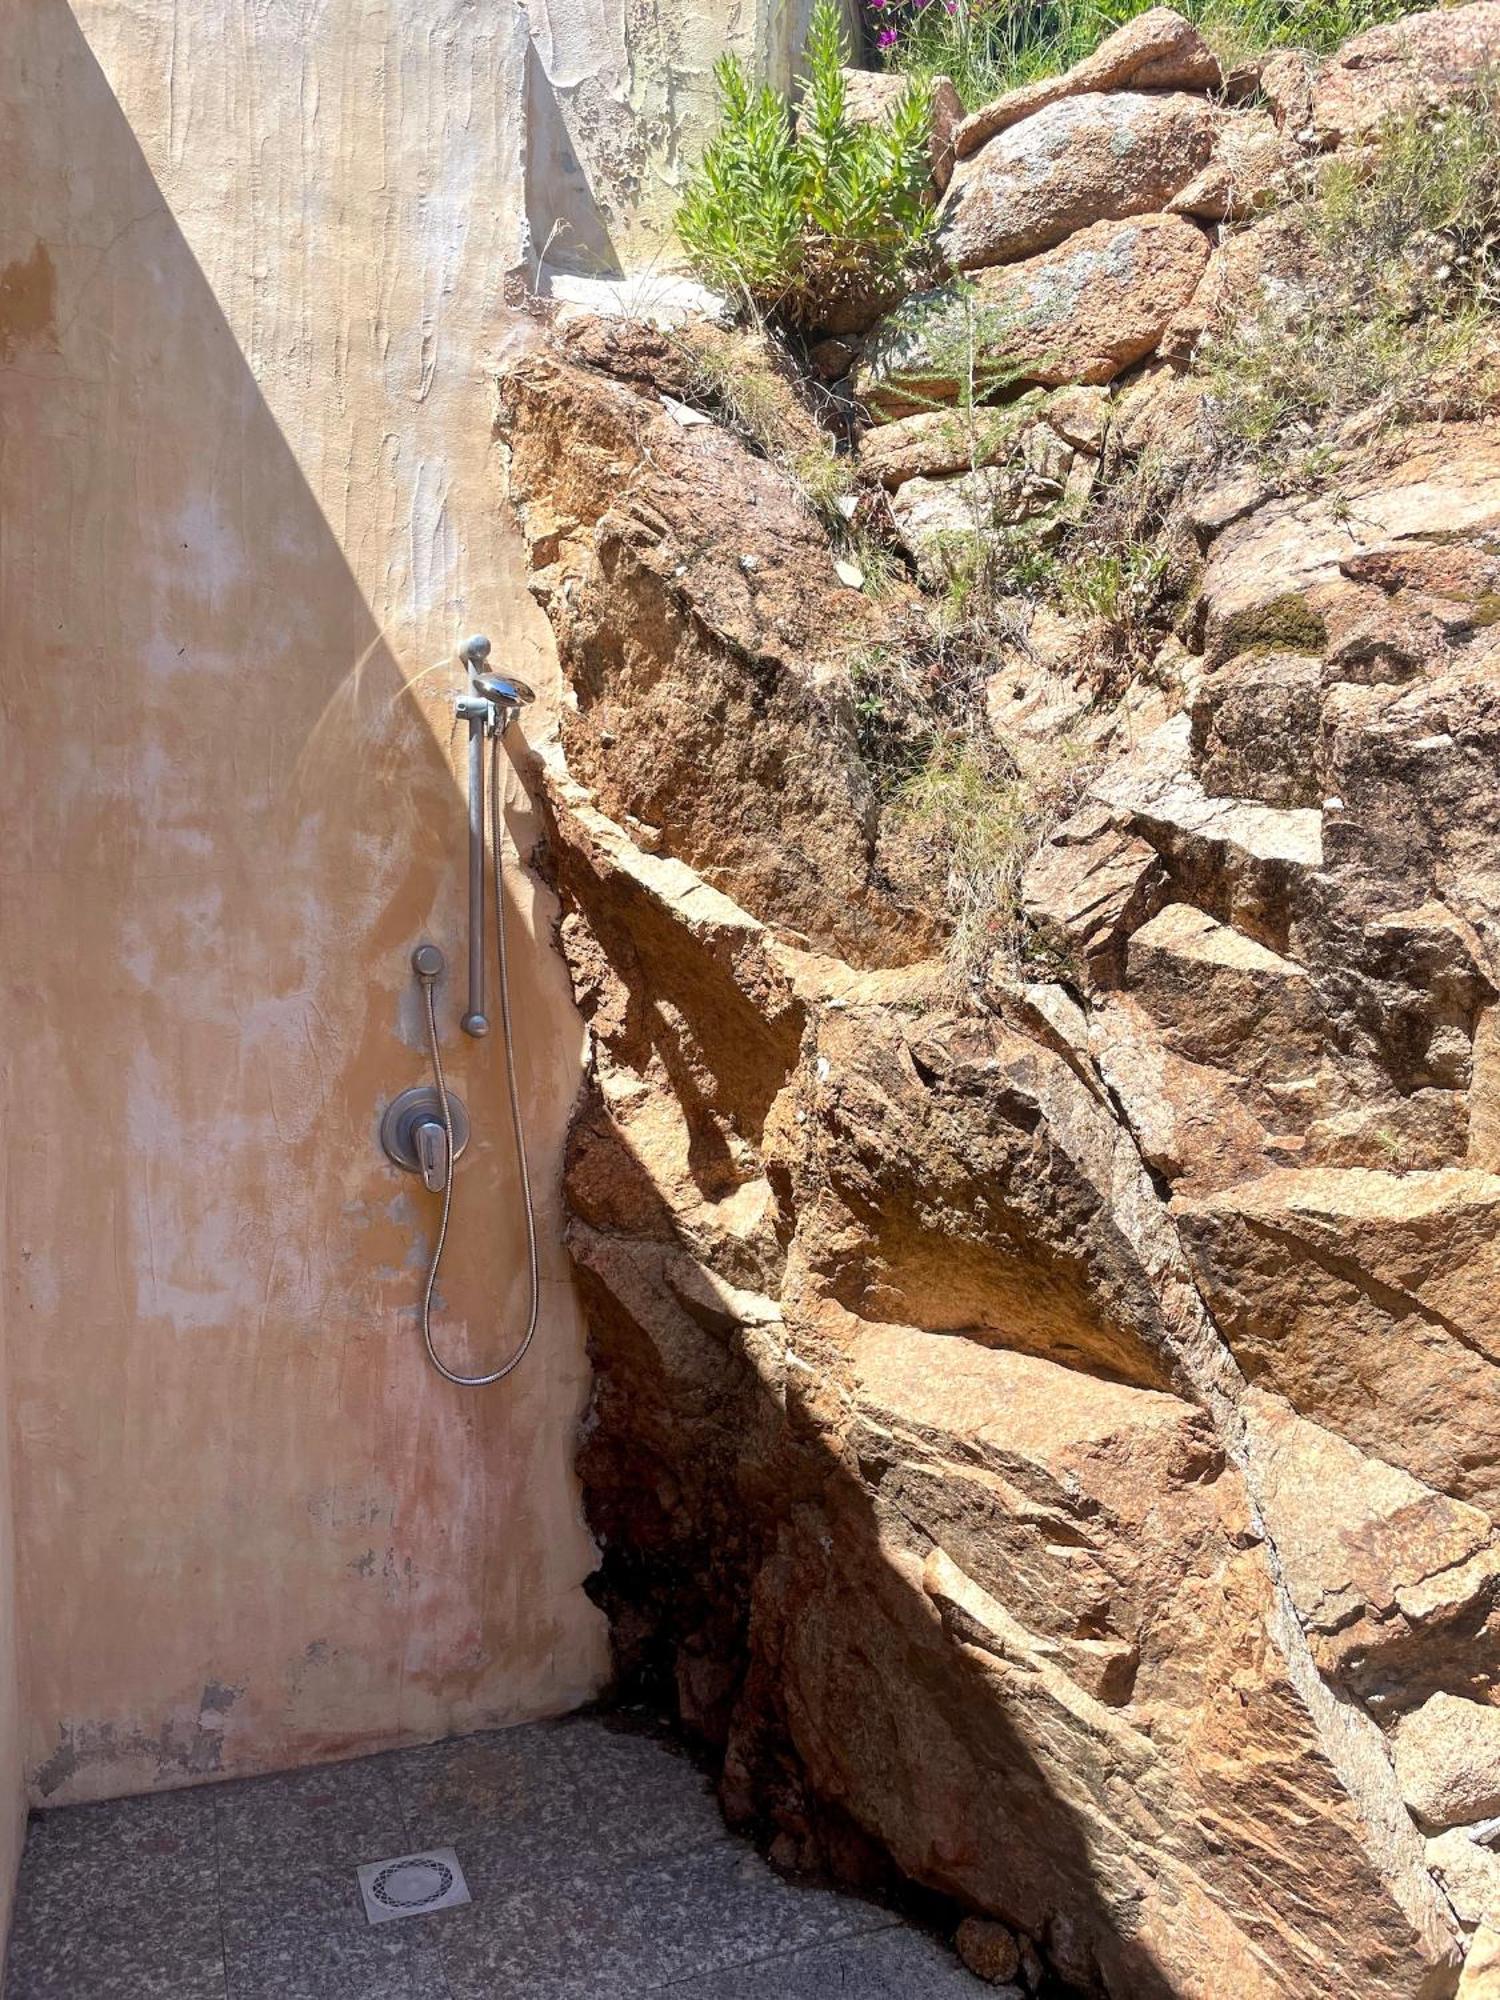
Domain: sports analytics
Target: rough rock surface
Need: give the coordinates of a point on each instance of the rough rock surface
(1095, 158)
(1077, 314)
(1095, 1400)
(1250, 165)
(1481, 1980)
(689, 587)
(1420, 59)
(1042, 479)
(941, 521)
(1448, 1761)
(1050, 1451)
(1158, 50)
(1468, 1872)
(935, 443)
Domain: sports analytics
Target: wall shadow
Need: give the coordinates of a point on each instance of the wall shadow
(566, 226)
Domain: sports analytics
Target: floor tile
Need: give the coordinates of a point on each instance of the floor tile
(333, 1816)
(533, 1792)
(111, 1869)
(896, 1964)
(477, 1784)
(599, 1866)
(316, 1902)
(168, 1961)
(612, 1932)
(375, 1964)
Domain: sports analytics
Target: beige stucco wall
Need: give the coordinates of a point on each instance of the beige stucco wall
(251, 260)
(12, 1778)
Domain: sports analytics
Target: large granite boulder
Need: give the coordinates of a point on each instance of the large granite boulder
(1412, 63)
(1156, 50)
(1096, 158)
(1080, 313)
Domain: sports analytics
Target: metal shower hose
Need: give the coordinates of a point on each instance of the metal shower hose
(497, 855)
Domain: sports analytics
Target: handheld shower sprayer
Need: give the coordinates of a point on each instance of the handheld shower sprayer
(506, 694)
(489, 707)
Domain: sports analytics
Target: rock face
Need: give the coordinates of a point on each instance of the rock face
(1249, 167)
(1049, 1451)
(689, 587)
(1448, 1762)
(1158, 50)
(1079, 313)
(1039, 1451)
(1085, 159)
(1419, 60)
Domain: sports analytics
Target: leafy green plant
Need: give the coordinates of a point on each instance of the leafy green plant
(800, 222)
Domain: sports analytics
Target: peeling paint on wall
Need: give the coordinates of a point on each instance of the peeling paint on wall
(178, 1750)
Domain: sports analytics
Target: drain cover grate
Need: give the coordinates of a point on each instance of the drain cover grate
(412, 1884)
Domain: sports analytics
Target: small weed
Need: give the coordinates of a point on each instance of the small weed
(951, 349)
(748, 380)
(981, 826)
(881, 568)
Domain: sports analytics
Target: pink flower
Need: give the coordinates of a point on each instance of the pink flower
(886, 37)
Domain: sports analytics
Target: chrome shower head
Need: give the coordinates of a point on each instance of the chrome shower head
(505, 690)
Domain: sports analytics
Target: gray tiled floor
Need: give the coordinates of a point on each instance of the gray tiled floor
(598, 1863)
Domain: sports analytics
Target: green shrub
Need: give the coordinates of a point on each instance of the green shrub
(795, 222)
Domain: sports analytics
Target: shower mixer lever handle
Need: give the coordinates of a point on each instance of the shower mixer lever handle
(430, 1142)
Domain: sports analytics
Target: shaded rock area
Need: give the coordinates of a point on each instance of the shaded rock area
(1048, 1451)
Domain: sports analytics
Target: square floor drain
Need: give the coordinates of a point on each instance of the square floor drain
(412, 1884)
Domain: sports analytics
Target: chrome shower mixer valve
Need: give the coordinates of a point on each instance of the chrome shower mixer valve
(426, 1129)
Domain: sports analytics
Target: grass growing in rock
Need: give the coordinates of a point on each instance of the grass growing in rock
(959, 807)
(1393, 318)
(990, 46)
(977, 830)
(750, 382)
